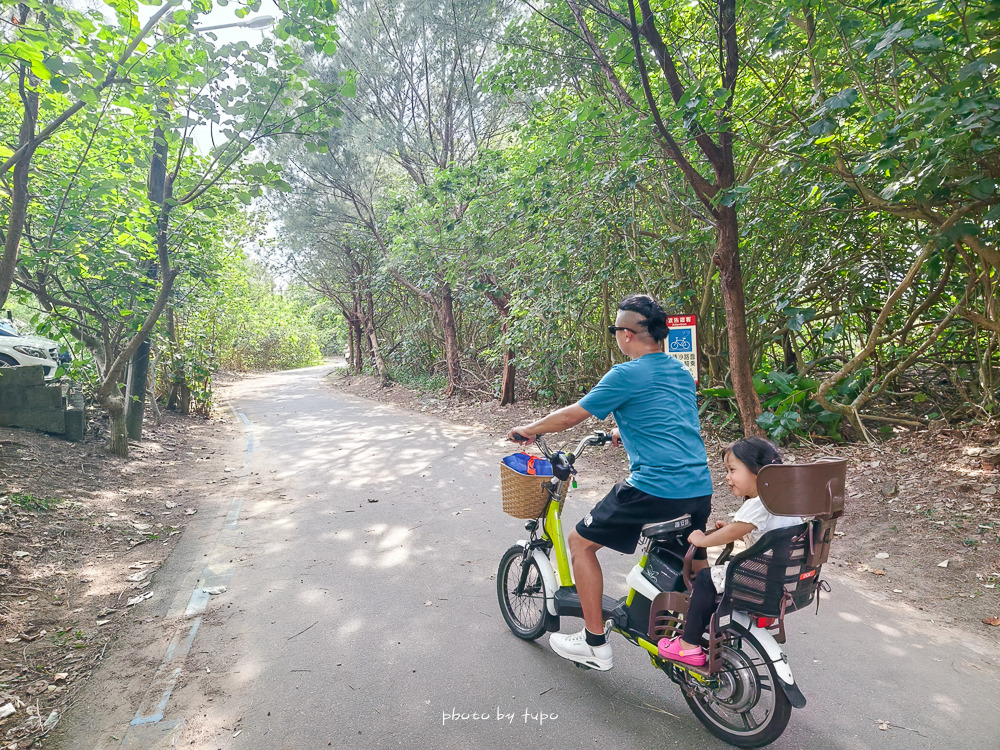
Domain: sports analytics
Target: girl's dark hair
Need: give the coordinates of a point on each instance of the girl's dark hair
(755, 453)
(655, 319)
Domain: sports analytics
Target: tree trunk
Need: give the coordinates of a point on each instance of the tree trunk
(19, 185)
(157, 193)
(359, 352)
(376, 352)
(350, 344)
(115, 406)
(184, 399)
(109, 391)
(788, 351)
(178, 381)
(153, 405)
(380, 368)
(502, 303)
(446, 314)
(507, 377)
(727, 258)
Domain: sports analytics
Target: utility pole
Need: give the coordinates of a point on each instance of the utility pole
(156, 191)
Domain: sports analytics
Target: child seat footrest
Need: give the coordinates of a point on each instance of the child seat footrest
(666, 615)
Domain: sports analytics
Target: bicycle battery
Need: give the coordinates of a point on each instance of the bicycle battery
(664, 570)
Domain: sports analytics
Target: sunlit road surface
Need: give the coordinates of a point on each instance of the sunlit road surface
(361, 612)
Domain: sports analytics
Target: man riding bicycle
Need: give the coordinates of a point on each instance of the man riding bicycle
(652, 397)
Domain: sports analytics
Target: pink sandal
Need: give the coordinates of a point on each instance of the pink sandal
(671, 649)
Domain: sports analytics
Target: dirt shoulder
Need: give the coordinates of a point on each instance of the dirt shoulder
(922, 522)
(81, 535)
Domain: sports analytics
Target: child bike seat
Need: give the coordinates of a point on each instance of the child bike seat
(663, 530)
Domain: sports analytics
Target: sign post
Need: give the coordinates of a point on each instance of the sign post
(682, 341)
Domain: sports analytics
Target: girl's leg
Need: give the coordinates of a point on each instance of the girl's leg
(700, 609)
(687, 648)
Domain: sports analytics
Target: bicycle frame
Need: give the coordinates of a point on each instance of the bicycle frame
(561, 576)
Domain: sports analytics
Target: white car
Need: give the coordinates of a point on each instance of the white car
(16, 349)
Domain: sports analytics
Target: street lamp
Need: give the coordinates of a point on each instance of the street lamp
(258, 24)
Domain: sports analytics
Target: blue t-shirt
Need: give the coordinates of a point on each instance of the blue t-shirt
(654, 404)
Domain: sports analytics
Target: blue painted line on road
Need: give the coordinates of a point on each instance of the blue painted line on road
(197, 603)
(233, 516)
(154, 704)
(251, 441)
(166, 677)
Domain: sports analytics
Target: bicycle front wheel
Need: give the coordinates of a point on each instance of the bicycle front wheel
(521, 592)
(746, 705)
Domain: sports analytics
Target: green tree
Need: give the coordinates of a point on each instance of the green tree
(253, 95)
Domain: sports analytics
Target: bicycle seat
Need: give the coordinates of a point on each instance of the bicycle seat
(662, 530)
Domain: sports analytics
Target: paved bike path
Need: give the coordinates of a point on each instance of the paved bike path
(361, 613)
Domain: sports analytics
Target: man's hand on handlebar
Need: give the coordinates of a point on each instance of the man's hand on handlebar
(521, 435)
(616, 437)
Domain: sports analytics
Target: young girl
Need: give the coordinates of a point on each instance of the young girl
(743, 460)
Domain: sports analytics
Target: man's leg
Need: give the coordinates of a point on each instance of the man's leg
(589, 580)
(589, 646)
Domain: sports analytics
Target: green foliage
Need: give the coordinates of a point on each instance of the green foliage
(148, 140)
(30, 502)
(191, 365)
(789, 407)
(241, 323)
(866, 191)
(412, 378)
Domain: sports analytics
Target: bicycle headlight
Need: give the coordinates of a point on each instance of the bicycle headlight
(31, 351)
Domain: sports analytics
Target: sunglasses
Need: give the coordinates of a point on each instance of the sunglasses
(615, 329)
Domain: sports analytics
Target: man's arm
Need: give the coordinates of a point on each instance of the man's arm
(557, 421)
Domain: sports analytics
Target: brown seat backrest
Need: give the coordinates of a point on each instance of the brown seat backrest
(813, 490)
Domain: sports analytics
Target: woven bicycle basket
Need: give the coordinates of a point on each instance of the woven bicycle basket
(525, 495)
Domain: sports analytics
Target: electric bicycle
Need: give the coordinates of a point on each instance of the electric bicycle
(745, 692)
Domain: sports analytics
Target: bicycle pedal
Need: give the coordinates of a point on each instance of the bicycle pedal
(578, 665)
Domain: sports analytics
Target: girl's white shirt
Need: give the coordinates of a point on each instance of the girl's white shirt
(754, 513)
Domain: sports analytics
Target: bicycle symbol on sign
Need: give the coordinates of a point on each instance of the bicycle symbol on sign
(679, 341)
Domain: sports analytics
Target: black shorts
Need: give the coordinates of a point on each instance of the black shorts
(617, 520)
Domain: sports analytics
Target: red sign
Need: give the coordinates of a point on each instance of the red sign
(682, 341)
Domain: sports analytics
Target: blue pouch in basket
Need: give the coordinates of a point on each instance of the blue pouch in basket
(522, 463)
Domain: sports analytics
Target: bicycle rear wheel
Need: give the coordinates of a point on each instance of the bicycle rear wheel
(746, 705)
(521, 592)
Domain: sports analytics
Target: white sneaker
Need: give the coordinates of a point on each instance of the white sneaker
(573, 646)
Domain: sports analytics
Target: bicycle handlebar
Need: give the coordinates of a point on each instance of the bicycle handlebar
(597, 437)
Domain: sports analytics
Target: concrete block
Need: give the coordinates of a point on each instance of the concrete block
(11, 399)
(21, 376)
(45, 421)
(46, 397)
(76, 424)
(27, 402)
